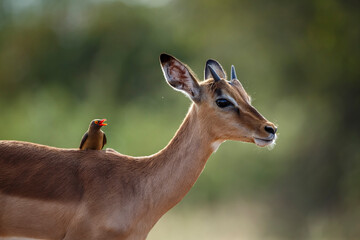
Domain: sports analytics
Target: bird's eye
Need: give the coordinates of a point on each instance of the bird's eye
(96, 122)
(222, 103)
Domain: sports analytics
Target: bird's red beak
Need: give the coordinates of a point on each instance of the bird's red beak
(101, 122)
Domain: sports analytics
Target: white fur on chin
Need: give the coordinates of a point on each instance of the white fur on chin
(263, 143)
(215, 145)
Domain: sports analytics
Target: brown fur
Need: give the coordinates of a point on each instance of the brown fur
(37, 171)
(69, 194)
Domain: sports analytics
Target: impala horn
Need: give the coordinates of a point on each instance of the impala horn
(233, 73)
(214, 74)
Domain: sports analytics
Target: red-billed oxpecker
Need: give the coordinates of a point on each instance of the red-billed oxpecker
(94, 138)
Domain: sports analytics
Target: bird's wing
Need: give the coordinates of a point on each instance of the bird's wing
(83, 139)
(104, 141)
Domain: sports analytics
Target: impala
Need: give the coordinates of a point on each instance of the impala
(70, 194)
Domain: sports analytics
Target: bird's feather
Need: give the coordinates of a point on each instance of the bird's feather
(104, 141)
(83, 139)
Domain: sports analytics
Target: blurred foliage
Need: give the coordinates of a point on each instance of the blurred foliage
(63, 63)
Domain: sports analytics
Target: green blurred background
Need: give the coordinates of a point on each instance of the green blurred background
(63, 63)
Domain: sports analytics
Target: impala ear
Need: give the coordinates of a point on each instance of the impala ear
(180, 77)
(216, 67)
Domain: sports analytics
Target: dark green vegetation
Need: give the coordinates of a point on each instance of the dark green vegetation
(63, 63)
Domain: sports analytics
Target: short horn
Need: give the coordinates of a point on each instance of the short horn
(233, 73)
(214, 74)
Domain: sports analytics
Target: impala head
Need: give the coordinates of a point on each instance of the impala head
(223, 105)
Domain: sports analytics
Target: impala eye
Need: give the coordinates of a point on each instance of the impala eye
(222, 103)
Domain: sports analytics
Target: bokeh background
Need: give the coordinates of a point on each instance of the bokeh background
(63, 63)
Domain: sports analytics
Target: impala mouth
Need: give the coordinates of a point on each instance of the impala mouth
(262, 142)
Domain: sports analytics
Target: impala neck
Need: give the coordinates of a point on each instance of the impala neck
(179, 164)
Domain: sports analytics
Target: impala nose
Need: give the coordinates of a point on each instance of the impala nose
(270, 129)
